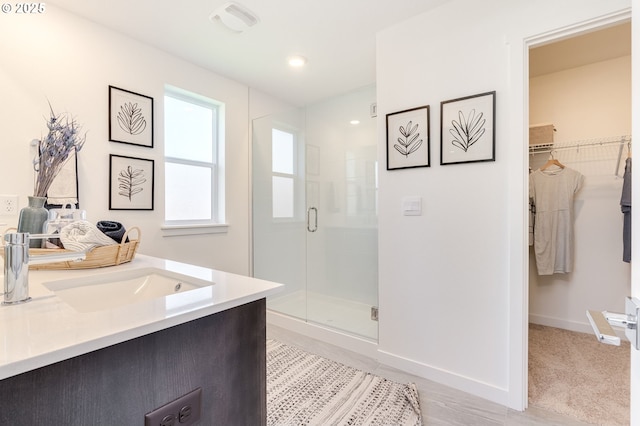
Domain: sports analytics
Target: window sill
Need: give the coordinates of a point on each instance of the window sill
(181, 230)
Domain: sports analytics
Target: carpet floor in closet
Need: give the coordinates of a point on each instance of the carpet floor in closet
(573, 374)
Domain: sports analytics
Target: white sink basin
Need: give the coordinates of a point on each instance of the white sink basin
(112, 290)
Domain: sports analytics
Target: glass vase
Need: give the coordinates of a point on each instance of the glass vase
(32, 219)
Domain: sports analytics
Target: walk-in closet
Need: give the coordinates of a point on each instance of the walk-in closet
(580, 124)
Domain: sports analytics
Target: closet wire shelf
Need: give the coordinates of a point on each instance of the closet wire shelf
(590, 156)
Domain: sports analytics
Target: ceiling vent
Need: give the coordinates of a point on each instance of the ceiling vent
(235, 17)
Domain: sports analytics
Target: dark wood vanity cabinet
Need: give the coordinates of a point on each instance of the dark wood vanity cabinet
(224, 354)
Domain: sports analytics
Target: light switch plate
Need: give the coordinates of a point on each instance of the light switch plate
(412, 206)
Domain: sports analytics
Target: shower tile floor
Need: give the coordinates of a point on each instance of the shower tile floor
(345, 315)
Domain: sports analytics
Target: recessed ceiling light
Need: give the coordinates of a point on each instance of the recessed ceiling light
(297, 61)
(354, 122)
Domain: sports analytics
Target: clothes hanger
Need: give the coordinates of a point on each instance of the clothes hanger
(552, 162)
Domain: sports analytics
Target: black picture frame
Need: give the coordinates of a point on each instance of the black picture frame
(408, 140)
(467, 129)
(131, 183)
(130, 117)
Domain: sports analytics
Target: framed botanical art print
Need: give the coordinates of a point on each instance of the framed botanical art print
(467, 129)
(408, 143)
(130, 183)
(130, 117)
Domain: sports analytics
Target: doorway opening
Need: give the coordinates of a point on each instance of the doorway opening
(580, 117)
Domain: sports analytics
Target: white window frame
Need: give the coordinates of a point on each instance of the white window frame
(298, 211)
(216, 224)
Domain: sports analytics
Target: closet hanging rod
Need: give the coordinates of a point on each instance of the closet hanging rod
(550, 147)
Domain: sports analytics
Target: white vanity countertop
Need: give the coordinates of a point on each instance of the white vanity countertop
(46, 330)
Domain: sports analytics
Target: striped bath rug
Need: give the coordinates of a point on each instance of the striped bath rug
(307, 389)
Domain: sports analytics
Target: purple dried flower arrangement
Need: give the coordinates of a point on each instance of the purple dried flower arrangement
(54, 150)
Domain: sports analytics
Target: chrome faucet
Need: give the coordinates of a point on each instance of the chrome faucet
(17, 261)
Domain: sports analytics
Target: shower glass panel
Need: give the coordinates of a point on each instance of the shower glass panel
(315, 211)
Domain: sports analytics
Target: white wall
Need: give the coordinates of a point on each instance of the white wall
(586, 103)
(635, 272)
(452, 281)
(71, 62)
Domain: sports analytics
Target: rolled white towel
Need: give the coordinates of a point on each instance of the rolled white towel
(83, 236)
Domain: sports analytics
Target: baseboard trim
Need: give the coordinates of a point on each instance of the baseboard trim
(370, 349)
(335, 337)
(482, 390)
(567, 325)
(581, 327)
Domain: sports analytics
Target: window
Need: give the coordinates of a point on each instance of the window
(192, 160)
(282, 180)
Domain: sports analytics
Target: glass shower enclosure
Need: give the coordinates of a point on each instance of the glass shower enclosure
(314, 176)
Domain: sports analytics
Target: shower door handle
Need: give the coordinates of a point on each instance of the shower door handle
(315, 220)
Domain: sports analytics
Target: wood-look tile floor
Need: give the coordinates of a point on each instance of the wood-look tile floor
(440, 404)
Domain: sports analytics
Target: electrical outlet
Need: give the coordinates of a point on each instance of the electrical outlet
(8, 205)
(184, 411)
